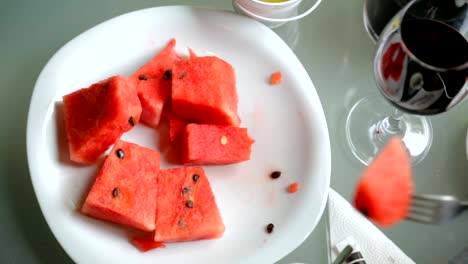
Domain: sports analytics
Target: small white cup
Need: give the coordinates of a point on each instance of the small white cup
(272, 14)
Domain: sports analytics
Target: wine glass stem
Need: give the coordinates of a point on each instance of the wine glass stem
(391, 125)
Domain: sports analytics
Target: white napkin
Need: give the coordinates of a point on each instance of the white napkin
(347, 225)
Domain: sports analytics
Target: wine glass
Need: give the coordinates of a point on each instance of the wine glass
(421, 68)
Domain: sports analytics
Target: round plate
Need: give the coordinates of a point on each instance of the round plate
(286, 121)
(466, 142)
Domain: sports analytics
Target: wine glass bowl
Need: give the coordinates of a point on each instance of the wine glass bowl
(421, 65)
(421, 68)
(377, 13)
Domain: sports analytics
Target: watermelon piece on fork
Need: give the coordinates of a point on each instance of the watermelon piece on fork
(384, 191)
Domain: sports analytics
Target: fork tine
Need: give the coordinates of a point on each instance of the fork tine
(420, 198)
(431, 197)
(427, 205)
(422, 211)
(419, 218)
(432, 209)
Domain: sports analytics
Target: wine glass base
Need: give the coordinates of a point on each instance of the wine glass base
(366, 133)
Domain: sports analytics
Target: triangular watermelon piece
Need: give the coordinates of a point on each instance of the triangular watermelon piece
(154, 83)
(125, 189)
(204, 90)
(97, 116)
(384, 191)
(186, 208)
(160, 63)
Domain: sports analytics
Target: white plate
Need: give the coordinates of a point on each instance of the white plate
(466, 142)
(287, 122)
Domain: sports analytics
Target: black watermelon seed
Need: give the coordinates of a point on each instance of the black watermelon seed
(120, 153)
(185, 190)
(364, 211)
(115, 192)
(181, 223)
(195, 177)
(189, 203)
(275, 174)
(182, 75)
(270, 228)
(130, 121)
(143, 77)
(167, 75)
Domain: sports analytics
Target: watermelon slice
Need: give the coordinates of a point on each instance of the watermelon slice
(204, 90)
(146, 244)
(125, 189)
(384, 191)
(97, 116)
(213, 144)
(154, 84)
(186, 208)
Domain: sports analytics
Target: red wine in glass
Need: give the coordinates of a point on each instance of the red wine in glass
(422, 66)
(377, 13)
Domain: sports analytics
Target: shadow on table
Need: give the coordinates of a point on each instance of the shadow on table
(20, 195)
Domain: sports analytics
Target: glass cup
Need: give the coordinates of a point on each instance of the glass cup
(275, 13)
(421, 68)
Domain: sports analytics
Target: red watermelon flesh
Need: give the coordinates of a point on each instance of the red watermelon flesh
(204, 90)
(163, 61)
(192, 54)
(176, 125)
(125, 188)
(97, 116)
(154, 84)
(153, 94)
(384, 191)
(213, 144)
(146, 244)
(186, 208)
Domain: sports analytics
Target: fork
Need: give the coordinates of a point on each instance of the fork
(435, 209)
